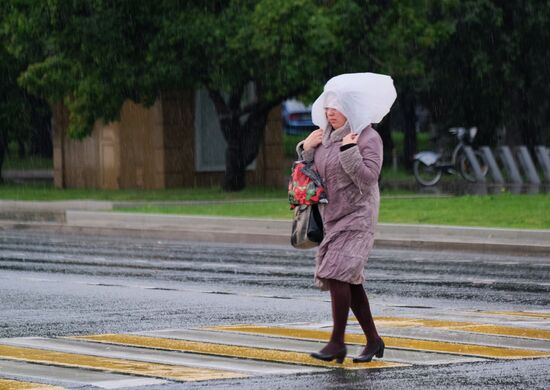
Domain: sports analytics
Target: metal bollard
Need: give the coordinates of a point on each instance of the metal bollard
(470, 155)
(493, 167)
(510, 164)
(543, 156)
(526, 163)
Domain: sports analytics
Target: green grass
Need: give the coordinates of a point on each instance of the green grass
(48, 192)
(506, 210)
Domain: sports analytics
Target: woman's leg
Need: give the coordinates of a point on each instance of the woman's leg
(340, 295)
(361, 308)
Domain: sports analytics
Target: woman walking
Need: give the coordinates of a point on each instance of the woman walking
(347, 152)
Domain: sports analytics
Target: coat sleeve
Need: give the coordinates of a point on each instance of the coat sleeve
(363, 163)
(302, 154)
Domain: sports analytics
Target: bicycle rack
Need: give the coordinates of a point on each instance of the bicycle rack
(527, 164)
(475, 164)
(543, 156)
(510, 164)
(519, 165)
(493, 167)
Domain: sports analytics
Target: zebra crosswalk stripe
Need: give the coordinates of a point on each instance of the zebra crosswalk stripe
(305, 346)
(233, 351)
(528, 314)
(472, 327)
(155, 370)
(393, 342)
(9, 384)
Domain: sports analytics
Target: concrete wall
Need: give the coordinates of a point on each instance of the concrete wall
(152, 148)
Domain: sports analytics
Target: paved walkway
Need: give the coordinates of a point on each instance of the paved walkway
(95, 217)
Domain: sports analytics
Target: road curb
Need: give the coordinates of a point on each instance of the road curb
(276, 232)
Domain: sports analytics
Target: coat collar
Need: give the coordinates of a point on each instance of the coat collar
(335, 135)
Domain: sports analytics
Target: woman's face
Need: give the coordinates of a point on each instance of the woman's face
(335, 117)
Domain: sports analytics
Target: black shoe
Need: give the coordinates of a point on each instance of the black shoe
(367, 357)
(328, 357)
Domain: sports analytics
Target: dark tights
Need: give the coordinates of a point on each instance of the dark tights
(343, 296)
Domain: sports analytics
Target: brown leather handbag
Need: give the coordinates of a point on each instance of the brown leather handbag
(307, 227)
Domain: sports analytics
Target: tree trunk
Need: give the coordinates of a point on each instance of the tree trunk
(407, 103)
(243, 145)
(384, 130)
(243, 137)
(235, 164)
(530, 135)
(41, 139)
(40, 136)
(528, 127)
(3, 148)
(21, 150)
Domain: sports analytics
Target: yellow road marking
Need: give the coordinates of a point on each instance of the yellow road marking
(393, 342)
(520, 314)
(230, 351)
(155, 370)
(472, 327)
(6, 384)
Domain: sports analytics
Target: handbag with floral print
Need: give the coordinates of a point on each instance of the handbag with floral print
(305, 192)
(305, 186)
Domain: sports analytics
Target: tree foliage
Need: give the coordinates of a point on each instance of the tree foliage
(93, 55)
(403, 35)
(250, 56)
(471, 62)
(19, 112)
(14, 110)
(493, 70)
(88, 54)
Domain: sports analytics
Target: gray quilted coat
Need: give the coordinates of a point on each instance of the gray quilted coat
(350, 218)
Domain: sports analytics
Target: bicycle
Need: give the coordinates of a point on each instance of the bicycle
(428, 166)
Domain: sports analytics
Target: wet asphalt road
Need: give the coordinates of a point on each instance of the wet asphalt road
(53, 285)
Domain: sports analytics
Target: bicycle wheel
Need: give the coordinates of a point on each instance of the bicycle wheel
(467, 171)
(426, 175)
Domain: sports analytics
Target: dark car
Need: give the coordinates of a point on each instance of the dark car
(297, 118)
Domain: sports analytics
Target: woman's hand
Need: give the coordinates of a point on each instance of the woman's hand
(313, 140)
(350, 138)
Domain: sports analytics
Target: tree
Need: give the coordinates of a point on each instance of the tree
(275, 48)
(15, 111)
(492, 71)
(90, 55)
(413, 31)
(93, 55)
(471, 62)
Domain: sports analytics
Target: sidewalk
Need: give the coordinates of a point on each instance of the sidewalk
(94, 217)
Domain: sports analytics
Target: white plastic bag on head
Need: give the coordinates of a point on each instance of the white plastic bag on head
(363, 98)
